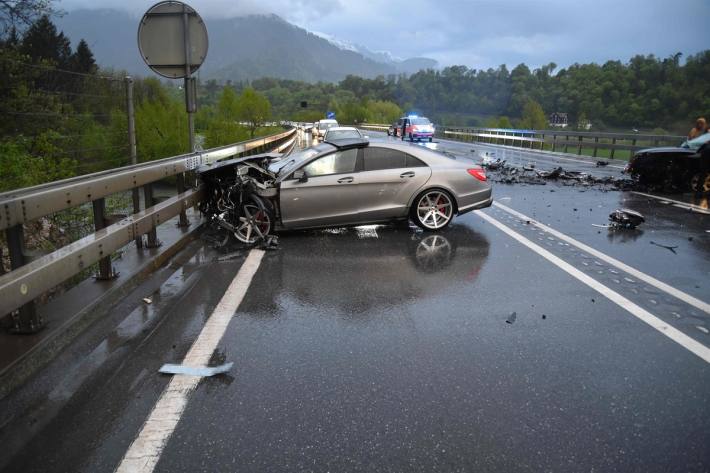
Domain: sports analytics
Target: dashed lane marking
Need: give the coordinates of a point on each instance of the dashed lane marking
(145, 451)
(674, 334)
(677, 293)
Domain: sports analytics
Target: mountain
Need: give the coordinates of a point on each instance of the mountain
(241, 48)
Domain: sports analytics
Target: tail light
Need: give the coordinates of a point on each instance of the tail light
(479, 174)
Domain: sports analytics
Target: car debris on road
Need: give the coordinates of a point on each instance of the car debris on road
(626, 218)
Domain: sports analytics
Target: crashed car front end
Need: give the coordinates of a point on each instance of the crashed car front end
(670, 167)
(242, 197)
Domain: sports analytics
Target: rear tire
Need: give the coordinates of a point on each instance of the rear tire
(430, 139)
(433, 210)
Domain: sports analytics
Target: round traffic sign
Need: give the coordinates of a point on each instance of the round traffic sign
(172, 39)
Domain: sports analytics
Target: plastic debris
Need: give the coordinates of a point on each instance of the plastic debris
(602, 163)
(195, 370)
(511, 318)
(626, 218)
(147, 300)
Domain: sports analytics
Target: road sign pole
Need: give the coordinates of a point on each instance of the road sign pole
(130, 110)
(190, 106)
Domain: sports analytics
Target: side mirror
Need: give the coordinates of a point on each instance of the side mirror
(300, 175)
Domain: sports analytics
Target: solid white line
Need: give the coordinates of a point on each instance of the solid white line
(144, 452)
(687, 298)
(684, 205)
(674, 334)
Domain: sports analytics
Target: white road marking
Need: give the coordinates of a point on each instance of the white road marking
(669, 331)
(677, 293)
(144, 452)
(677, 203)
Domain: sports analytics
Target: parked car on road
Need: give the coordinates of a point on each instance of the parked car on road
(342, 133)
(320, 127)
(674, 168)
(341, 183)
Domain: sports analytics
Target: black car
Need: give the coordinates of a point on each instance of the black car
(681, 168)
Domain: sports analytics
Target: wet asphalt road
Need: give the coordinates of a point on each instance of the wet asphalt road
(387, 349)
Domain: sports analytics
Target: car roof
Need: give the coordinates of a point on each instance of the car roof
(342, 128)
(346, 143)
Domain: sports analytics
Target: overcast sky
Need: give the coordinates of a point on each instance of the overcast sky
(482, 33)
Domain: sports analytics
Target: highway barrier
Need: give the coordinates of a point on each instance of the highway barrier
(28, 280)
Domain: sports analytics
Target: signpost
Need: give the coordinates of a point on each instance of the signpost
(330, 115)
(172, 39)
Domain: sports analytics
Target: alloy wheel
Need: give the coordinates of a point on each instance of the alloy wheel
(434, 210)
(255, 223)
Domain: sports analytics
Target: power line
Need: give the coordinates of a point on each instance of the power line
(54, 114)
(55, 69)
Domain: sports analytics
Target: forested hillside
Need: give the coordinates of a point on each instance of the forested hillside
(646, 92)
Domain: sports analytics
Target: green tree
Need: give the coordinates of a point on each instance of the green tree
(534, 117)
(254, 109)
(43, 41)
(83, 59)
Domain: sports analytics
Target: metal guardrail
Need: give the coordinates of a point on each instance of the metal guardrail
(19, 287)
(557, 140)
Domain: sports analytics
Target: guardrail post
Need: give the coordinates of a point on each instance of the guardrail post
(183, 220)
(596, 140)
(566, 141)
(613, 142)
(631, 151)
(542, 141)
(153, 241)
(106, 271)
(554, 142)
(579, 146)
(25, 319)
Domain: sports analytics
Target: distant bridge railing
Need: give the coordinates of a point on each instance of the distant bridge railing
(28, 280)
(579, 142)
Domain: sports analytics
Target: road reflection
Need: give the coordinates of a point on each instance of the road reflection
(359, 269)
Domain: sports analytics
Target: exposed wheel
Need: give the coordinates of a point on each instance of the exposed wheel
(255, 221)
(402, 136)
(700, 182)
(411, 138)
(433, 210)
(430, 138)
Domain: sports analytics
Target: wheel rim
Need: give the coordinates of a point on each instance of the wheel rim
(254, 224)
(434, 210)
(706, 183)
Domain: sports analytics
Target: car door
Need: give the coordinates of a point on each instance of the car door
(328, 197)
(388, 181)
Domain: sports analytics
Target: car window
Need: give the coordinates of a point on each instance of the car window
(383, 158)
(420, 121)
(335, 163)
(413, 162)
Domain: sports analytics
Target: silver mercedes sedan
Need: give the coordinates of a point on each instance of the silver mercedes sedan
(342, 183)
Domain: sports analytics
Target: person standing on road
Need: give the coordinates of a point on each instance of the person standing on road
(699, 128)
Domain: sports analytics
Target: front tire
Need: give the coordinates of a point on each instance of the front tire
(433, 210)
(256, 220)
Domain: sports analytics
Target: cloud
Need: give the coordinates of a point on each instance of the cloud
(481, 33)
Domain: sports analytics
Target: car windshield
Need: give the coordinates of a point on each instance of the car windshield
(328, 125)
(696, 143)
(292, 161)
(343, 134)
(420, 121)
